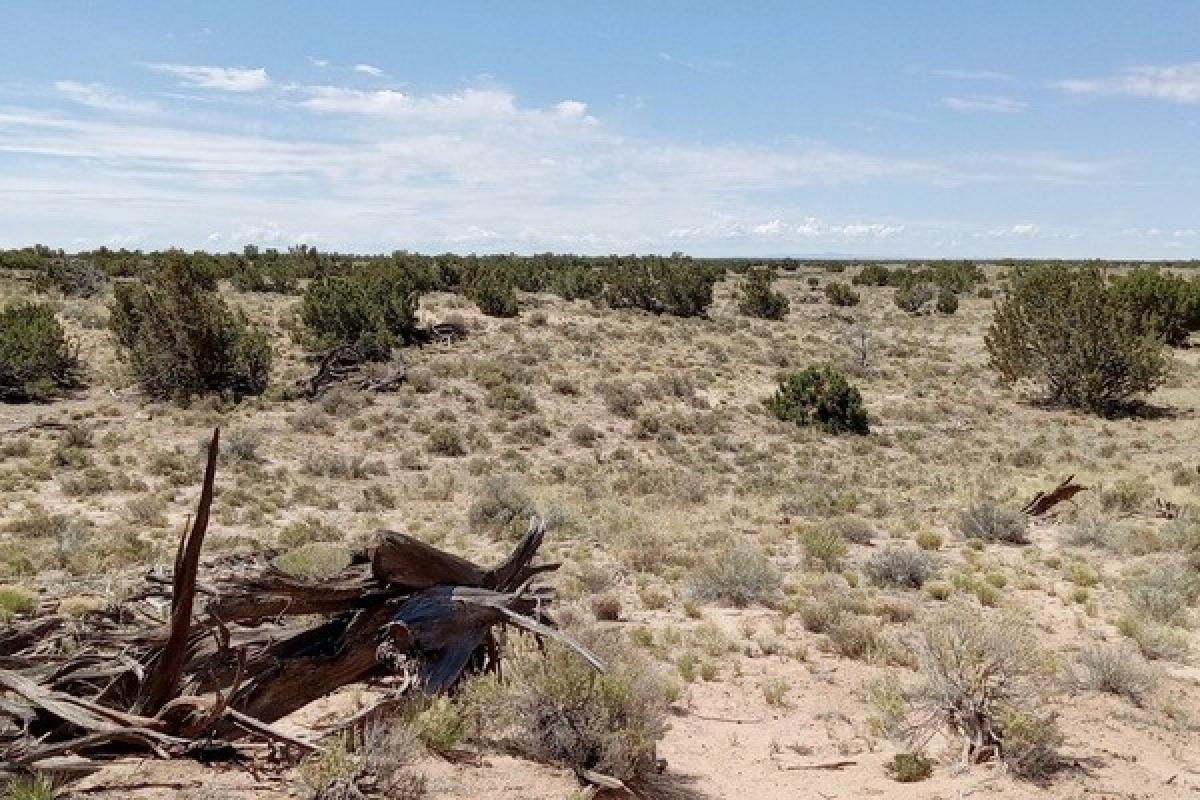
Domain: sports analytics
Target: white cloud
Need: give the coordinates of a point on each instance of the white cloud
(999, 105)
(320, 63)
(1020, 229)
(468, 169)
(367, 69)
(971, 75)
(1177, 83)
(229, 79)
(97, 95)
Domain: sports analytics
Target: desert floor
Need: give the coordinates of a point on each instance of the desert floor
(645, 443)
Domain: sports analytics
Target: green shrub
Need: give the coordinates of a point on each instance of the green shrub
(1160, 301)
(823, 547)
(1063, 330)
(820, 396)
(947, 302)
(913, 297)
(36, 362)
(840, 294)
(494, 291)
(74, 276)
(445, 440)
(372, 307)
(873, 275)
(910, 767)
(758, 299)
(181, 339)
(268, 272)
(675, 285)
(16, 600)
(1164, 592)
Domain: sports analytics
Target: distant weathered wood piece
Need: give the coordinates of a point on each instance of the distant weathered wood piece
(1044, 501)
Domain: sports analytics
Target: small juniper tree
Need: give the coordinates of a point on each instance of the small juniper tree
(372, 307)
(820, 396)
(1065, 331)
(1161, 301)
(840, 294)
(758, 299)
(36, 361)
(180, 337)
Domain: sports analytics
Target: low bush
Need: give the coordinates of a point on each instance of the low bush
(824, 547)
(372, 307)
(987, 520)
(1159, 301)
(840, 294)
(739, 574)
(758, 299)
(913, 297)
(181, 339)
(1064, 331)
(501, 508)
(820, 396)
(898, 567)
(1164, 592)
(675, 285)
(986, 677)
(947, 302)
(563, 712)
(16, 600)
(1116, 669)
(494, 291)
(75, 276)
(36, 362)
(910, 767)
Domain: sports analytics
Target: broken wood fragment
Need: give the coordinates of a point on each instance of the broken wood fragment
(1044, 501)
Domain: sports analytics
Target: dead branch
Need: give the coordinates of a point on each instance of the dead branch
(240, 650)
(1044, 501)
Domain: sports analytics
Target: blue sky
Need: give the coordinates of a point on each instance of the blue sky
(919, 129)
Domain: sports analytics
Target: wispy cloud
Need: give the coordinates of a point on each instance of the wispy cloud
(320, 63)
(97, 95)
(989, 103)
(472, 168)
(1177, 83)
(697, 65)
(368, 69)
(970, 75)
(229, 79)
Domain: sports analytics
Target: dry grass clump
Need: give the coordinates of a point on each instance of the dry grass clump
(987, 520)
(1093, 528)
(1116, 669)
(314, 560)
(383, 765)
(898, 568)
(445, 440)
(738, 574)
(1164, 591)
(16, 600)
(620, 398)
(563, 712)
(824, 547)
(501, 508)
(985, 677)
